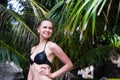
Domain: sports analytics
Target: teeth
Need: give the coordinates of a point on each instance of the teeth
(46, 33)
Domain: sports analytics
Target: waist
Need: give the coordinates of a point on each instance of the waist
(40, 67)
(37, 71)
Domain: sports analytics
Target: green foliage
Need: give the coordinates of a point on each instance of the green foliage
(86, 29)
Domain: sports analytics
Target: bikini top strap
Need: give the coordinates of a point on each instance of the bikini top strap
(45, 45)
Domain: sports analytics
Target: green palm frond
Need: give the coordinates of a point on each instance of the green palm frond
(7, 53)
(55, 13)
(39, 11)
(15, 35)
(17, 27)
(73, 15)
(96, 56)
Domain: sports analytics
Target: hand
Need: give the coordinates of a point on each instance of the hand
(46, 72)
(43, 72)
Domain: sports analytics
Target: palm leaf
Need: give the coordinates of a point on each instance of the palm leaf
(96, 56)
(10, 54)
(39, 11)
(19, 29)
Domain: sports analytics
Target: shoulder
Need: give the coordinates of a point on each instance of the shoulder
(52, 45)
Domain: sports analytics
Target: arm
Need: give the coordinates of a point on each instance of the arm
(62, 57)
(29, 74)
(29, 77)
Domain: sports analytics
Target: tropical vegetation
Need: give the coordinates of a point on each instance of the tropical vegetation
(87, 30)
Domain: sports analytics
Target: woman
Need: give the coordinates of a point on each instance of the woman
(43, 55)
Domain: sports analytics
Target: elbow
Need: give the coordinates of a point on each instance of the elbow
(70, 65)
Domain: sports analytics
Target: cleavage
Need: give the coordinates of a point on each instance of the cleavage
(33, 56)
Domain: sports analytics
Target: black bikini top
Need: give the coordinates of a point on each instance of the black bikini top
(41, 58)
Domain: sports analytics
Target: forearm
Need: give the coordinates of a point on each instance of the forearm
(62, 70)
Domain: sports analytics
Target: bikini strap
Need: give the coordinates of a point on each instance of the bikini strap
(45, 45)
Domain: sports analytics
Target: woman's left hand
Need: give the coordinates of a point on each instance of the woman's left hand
(46, 72)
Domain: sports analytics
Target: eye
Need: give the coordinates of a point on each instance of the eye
(50, 28)
(44, 26)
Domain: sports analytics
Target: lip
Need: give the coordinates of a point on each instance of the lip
(47, 33)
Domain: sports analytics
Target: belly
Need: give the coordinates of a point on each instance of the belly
(40, 72)
(41, 78)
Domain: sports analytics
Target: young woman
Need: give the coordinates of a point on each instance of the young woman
(43, 55)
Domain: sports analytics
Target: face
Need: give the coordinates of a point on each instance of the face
(45, 29)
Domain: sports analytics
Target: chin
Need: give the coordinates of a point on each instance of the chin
(47, 37)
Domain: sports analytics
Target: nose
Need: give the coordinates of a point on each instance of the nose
(47, 29)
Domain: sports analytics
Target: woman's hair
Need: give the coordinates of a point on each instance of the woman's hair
(39, 23)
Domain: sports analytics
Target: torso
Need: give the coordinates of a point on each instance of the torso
(41, 61)
(40, 58)
(36, 71)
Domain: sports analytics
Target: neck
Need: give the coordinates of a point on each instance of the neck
(42, 41)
